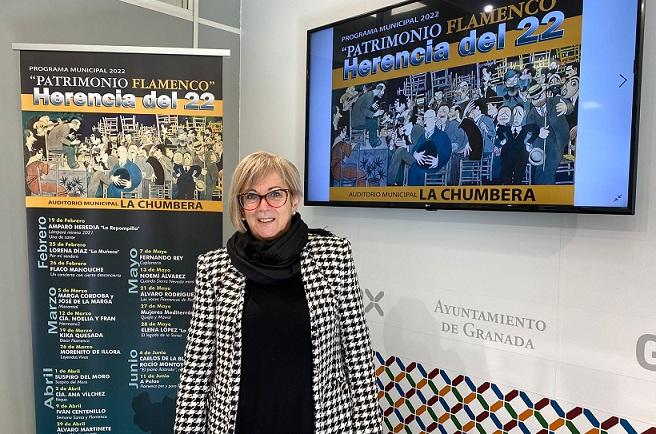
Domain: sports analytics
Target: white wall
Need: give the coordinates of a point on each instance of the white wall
(591, 278)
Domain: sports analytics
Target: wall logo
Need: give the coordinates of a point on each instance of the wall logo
(487, 325)
(646, 352)
(374, 302)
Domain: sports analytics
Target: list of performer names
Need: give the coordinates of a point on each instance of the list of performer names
(113, 301)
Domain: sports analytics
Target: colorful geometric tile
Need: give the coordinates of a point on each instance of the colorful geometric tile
(489, 397)
(582, 423)
(475, 407)
(543, 422)
(435, 413)
(439, 381)
(572, 427)
(573, 413)
(415, 425)
(610, 422)
(511, 395)
(527, 399)
(616, 429)
(462, 390)
(551, 413)
(452, 398)
(627, 426)
(505, 415)
(513, 427)
(525, 415)
(542, 403)
(486, 426)
(591, 417)
(459, 419)
(500, 390)
(443, 418)
(520, 407)
(414, 403)
(496, 406)
(565, 429)
(531, 425)
(449, 425)
(469, 426)
(558, 423)
(417, 399)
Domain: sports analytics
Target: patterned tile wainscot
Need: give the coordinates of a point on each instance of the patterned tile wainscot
(418, 400)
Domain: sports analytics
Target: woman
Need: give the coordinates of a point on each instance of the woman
(277, 343)
(35, 172)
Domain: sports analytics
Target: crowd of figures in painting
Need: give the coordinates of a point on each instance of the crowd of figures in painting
(505, 121)
(136, 156)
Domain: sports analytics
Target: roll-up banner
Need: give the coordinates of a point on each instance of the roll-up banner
(123, 188)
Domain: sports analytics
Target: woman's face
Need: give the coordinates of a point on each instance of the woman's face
(266, 222)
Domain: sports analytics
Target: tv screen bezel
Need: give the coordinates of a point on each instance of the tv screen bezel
(434, 206)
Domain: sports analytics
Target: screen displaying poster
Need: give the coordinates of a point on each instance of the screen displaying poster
(469, 104)
(124, 185)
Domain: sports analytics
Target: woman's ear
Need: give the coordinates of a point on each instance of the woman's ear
(296, 201)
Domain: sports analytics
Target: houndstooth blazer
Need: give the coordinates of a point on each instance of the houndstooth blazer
(343, 382)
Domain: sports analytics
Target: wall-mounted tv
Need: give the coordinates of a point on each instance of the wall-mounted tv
(477, 104)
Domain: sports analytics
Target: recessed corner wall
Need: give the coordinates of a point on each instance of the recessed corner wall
(440, 288)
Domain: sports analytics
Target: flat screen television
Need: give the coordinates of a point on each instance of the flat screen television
(476, 104)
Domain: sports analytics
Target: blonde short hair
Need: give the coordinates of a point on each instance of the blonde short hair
(253, 168)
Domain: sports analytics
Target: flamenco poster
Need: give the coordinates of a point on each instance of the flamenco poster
(499, 87)
(123, 152)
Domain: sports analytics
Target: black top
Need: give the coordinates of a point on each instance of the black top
(275, 395)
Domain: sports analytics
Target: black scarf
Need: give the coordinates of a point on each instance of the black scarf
(269, 262)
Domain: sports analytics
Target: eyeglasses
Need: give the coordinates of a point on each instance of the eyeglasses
(275, 198)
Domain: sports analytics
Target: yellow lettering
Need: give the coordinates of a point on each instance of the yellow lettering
(528, 7)
(487, 18)
(516, 11)
(450, 25)
(472, 23)
(460, 28)
(545, 9)
(502, 15)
